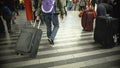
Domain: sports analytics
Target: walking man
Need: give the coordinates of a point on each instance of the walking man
(51, 9)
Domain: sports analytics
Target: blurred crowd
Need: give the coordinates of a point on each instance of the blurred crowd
(8, 10)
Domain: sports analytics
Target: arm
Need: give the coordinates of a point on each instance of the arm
(38, 11)
(39, 7)
(61, 7)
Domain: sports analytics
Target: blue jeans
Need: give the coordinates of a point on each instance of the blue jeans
(42, 18)
(51, 20)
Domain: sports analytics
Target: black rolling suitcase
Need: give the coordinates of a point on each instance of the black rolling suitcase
(28, 41)
(105, 28)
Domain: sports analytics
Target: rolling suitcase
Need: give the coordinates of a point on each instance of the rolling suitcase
(105, 29)
(28, 41)
(88, 19)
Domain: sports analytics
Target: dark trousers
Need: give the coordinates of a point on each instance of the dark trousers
(8, 22)
(1, 26)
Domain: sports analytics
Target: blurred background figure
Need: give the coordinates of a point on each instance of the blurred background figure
(82, 5)
(6, 13)
(16, 4)
(75, 4)
(21, 5)
(69, 5)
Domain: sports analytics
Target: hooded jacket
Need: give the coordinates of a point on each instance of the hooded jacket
(59, 8)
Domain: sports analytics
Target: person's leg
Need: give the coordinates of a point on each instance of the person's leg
(17, 11)
(42, 18)
(48, 24)
(81, 7)
(34, 17)
(84, 7)
(8, 22)
(75, 6)
(55, 28)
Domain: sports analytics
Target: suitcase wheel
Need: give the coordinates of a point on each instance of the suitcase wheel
(17, 53)
(21, 54)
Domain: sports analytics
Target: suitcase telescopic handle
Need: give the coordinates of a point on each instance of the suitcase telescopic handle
(37, 22)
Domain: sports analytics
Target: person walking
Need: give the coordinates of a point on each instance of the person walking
(82, 4)
(75, 4)
(51, 9)
(6, 14)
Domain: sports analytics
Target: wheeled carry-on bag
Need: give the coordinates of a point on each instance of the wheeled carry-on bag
(28, 41)
(105, 28)
(87, 19)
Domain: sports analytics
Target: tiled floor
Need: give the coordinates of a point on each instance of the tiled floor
(73, 48)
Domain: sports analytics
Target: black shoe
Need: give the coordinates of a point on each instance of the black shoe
(51, 41)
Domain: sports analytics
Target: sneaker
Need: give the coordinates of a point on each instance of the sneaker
(51, 41)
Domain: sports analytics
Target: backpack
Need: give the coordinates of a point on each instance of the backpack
(75, 1)
(48, 6)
